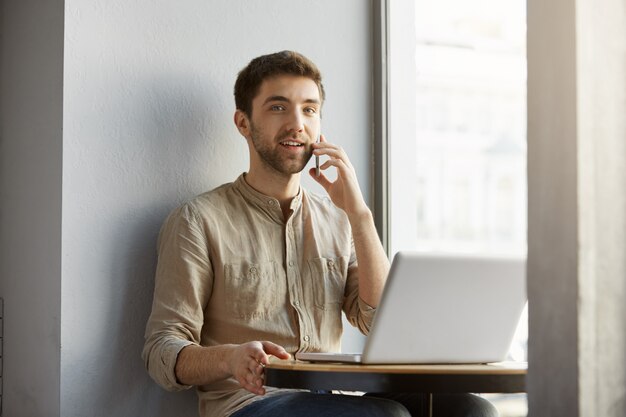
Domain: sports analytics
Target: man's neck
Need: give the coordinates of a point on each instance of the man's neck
(282, 187)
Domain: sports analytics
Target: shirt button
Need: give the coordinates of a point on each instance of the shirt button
(297, 303)
(307, 338)
(253, 270)
(290, 263)
(271, 202)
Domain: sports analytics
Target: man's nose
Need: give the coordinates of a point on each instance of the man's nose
(295, 122)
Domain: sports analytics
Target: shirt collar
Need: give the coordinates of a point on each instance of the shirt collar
(262, 200)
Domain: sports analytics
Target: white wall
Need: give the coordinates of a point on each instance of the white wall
(120, 120)
(148, 123)
(30, 204)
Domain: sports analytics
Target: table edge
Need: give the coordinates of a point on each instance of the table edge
(500, 368)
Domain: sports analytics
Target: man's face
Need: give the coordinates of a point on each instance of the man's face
(285, 122)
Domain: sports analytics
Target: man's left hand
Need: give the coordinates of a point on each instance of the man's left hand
(344, 191)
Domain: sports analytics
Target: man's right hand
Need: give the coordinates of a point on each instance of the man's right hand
(247, 363)
(201, 365)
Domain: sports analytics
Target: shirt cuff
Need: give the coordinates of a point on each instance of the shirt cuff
(366, 312)
(167, 368)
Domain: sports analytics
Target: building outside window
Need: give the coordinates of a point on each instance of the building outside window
(470, 170)
(457, 164)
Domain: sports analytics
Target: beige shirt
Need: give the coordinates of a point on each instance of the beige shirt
(232, 270)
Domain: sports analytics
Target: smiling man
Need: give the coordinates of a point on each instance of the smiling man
(260, 267)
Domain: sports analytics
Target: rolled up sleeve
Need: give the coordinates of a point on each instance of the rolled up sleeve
(358, 313)
(160, 359)
(183, 285)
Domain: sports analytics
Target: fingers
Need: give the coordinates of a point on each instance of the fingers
(344, 192)
(337, 158)
(274, 349)
(251, 376)
(342, 167)
(329, 149)
(249, 366)
(333, 162)
(339, 164)
(321, 179)
(334, 152)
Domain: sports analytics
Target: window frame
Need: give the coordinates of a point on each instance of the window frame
(380, 159)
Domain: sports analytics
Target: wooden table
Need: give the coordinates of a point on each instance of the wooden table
(505, 377)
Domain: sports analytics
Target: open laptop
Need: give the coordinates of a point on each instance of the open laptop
(443, 309)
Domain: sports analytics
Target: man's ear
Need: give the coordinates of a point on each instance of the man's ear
(242, 123)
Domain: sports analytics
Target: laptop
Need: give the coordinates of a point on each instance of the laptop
(443, 309)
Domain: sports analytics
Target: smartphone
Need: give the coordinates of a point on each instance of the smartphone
(317, 160)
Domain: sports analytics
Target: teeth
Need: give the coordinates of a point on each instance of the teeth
(290, 143)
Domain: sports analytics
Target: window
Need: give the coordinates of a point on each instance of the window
(456, 131)
(457, 142)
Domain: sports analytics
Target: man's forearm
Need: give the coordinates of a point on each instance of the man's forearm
(372, 259)
(199, 365)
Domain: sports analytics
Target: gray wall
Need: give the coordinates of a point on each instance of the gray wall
(577, 208)
(147, 122)
(30, 203)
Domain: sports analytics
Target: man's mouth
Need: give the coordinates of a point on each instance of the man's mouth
(291, 143)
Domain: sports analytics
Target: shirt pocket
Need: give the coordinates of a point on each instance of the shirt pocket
(254, 290)
(328, 277)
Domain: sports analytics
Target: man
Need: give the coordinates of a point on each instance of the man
(260, 267)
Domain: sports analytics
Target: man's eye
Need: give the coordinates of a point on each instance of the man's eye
(310, 110)
(277, 107)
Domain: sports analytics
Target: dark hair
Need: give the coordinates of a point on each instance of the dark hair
(250, 78)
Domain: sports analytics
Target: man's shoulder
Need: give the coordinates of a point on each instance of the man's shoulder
(206, 203)
(216, 194)
(212, 199)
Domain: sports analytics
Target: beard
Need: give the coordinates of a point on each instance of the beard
(272, 157)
